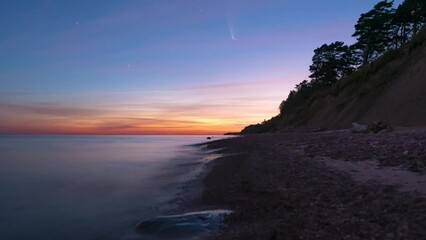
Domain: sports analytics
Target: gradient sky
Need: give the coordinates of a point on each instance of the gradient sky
(158, 67)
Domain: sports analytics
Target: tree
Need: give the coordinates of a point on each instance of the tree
(411, 13)
(401, 25)
(415, 14)
(373, 31)
(409, 18)
(330, 63)
(296, 98)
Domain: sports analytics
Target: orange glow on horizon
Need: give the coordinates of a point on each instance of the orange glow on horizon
(24, 123)
(66, 129)
(195, 110)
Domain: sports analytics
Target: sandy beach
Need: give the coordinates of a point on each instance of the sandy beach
(329, 185)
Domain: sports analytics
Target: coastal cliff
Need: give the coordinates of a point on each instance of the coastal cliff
(391, 88)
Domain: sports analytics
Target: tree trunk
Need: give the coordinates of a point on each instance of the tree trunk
(366, 53)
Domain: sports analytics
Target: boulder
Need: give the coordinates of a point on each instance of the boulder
(359, 128)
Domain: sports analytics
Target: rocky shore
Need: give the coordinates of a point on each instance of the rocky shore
(327, 185)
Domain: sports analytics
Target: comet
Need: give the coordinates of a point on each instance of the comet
(231, 29)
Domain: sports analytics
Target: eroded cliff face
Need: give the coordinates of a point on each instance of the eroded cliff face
(403, 103)
(392, 89)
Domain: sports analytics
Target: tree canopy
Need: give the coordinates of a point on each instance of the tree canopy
(381, 29)
(330, 63)
(378, 30)
(372, 31)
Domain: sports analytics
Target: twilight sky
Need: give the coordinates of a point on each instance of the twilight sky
(158, 67)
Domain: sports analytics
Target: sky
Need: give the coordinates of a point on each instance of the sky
(158, 67)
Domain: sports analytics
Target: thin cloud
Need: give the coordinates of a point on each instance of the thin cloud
(51, 110)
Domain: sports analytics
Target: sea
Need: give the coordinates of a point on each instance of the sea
(92, 187)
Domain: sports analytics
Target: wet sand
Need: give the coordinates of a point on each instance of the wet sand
(334, 185)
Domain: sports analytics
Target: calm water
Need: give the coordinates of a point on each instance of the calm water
(90, 187)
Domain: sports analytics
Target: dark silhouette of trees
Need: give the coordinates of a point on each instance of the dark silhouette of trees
(330, 63)
(296, 98)
(409, 18)
(377, 31)
(414, 12)
(372, 31)
(400, 25)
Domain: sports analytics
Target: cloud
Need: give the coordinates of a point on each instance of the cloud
(197, 108)
(50, 110)
(141, 123)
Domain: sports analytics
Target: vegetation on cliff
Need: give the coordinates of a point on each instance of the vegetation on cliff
(342, 75)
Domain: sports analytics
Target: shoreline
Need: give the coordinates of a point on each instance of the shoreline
(189, 198)
(187, 217)
(299, 186)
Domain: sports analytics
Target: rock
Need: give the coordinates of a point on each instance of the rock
(359, 128)
(184, 225)
(379, 126)
(317, 129)
(209, 138)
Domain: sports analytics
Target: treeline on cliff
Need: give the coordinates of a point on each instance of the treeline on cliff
(379, 34)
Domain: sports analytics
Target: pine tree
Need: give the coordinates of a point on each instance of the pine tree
(373, 31)
(330, 63)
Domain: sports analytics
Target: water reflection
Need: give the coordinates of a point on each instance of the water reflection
(87, 187)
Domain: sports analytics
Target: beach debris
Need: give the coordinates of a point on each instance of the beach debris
(359, 128)
(209, 138)
(184, 225)
(379, 126)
